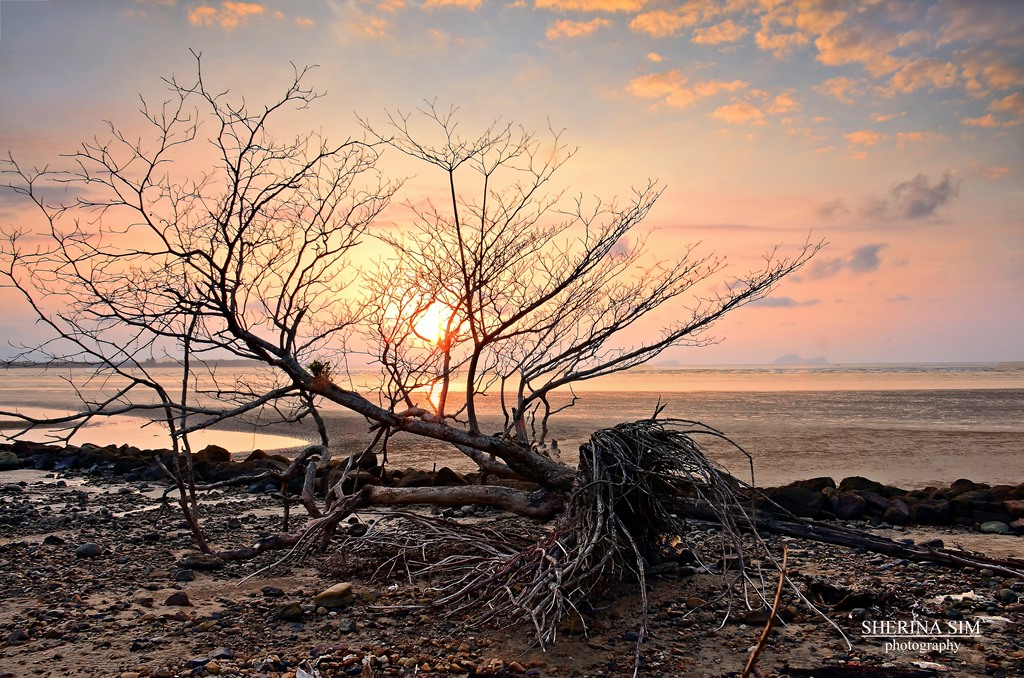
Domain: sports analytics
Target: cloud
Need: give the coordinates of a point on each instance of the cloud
(833, 209)
(229, 16)
(916, 199)
(304, 21)
(1005, 112)
(727, 31)
(782, 302)
(985, 71)
(864, 137)
(655, 57)
(842, 89)
(862, 260)
(673, 89)
(565, 28)
(859, 45)
(591, 5)
(924, 73)
(903, 139)
(660, 24)
(739, 113)
(459, 4)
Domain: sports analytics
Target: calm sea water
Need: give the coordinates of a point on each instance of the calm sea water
(907, 424)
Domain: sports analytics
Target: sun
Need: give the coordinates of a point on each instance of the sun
(429, 324)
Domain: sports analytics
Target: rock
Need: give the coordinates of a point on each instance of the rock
(200, 561)
(930, 512)
(414, 478)
(212, 667)
(1018, 526)
(962, 486)
(88, 550)
(994, 527)
(53, 540)
(1015, 507)
(848, 506)
(797, 500)
(339, 595)
(859, 483)
(9, 460)
(446, 476)
(898, 513)
(178, 599)
(212, 454)
(272, 592)
(290, 612)
(1007, 596)
(17, 636)
(815, 484)
(185, 575)
(222, 653)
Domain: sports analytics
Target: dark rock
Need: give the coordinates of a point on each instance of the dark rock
(859, 483)
(185, 575)
(848, 506)
(414, 478)
(874, 504)
(290, 612)
(88, 550)
(981, 516)
(994, 527)
(272, 592)
(930, 512)
(816, 484)
(1007, 596)
(1015, 507)
(797, 500)
(17, 636)
(178, 599)
(9, 460)
(211, 454)
(200, 561)
(53, 540)
(445, 476)
(222, 653)
(962, 486)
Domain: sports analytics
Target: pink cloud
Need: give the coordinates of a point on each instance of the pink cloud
(229, 16)
(565, 28)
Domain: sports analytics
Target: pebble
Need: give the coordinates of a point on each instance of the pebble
(88, 550)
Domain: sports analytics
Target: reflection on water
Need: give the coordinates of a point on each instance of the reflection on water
(906, 424)
(150, 435)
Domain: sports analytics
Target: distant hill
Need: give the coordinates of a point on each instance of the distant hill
(794, 359)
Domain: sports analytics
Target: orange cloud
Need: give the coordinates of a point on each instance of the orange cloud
(565, 28)
(727, 31)
(931, 73)
(673, 89)
(865, 137)
(984, 121)
(739, 113)
(660, 24)
(905, 138)
(842, 89)
(229, 16)
(1012, 105)
(779, 44)
(305, 22)
(460, 4)
(783, 103)
(853, 45)
(591, 5)
(655, 57)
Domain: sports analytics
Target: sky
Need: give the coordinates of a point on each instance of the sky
(893, 130)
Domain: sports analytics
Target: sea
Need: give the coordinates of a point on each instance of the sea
(911, 425)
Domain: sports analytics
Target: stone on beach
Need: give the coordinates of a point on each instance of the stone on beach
(339, 595)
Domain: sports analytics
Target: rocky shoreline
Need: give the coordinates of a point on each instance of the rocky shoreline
(101, 579)
(991, 509)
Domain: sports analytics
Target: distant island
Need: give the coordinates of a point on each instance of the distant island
(794, 359)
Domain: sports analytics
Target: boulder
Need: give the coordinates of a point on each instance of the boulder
(212, 454)
(930, 512)
(994, 527)
(1015, 507)
(815, 484)
(797, 500)
(859, 483)
(445, 476)
(8, 460)
(874, 503)
(178, 599)
(897, 513)
(962, 486)
(848, 506)
(339, 595)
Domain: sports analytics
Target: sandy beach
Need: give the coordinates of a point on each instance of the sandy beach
(101, 581)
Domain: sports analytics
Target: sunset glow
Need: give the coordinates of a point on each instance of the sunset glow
(894, 130)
